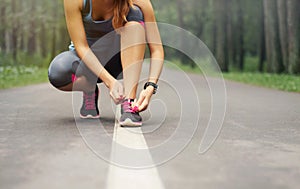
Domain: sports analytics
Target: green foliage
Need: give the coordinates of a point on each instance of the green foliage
(34, 60)
(251, 11)
(24, 59)
(250, 75)
(177, 64)
(251, 65)
(13, 76)
(45, 20)
(283, 82)
(276, 81)
(31, 31)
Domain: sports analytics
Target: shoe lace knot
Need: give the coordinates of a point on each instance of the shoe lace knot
(127, 107)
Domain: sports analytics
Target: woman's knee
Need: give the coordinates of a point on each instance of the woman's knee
(61, 69)
(134, 32)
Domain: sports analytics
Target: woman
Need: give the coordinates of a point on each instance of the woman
(119, 28)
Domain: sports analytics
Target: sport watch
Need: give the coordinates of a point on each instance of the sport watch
(151, 84)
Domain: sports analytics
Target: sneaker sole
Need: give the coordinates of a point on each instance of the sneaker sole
(89, 116)
(129, 123)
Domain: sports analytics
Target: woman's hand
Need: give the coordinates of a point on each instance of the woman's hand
(116, 91)
(144, 98)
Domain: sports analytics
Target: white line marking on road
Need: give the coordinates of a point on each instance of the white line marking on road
(126, 178)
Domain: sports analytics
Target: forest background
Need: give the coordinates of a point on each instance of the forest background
(254, 41)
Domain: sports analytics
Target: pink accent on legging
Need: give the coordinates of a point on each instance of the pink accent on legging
(143, 23)
(73, 78)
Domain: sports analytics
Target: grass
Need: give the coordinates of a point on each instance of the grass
(250, 75)
(283, 82)
(175, 64)
(16, 76)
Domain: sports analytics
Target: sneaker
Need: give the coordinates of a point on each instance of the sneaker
(89, 108)
(129, 115)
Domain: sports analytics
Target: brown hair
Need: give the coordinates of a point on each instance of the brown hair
(121, 9)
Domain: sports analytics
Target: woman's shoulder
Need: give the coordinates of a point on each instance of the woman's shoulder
(147, 9)
(145, 5)
(74, 4)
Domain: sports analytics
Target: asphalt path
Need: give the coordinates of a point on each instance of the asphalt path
(43, 143)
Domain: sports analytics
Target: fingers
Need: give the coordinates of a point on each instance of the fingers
(143, 106)
(143, 101)
(116, 98)
(113, 96)
(117, 92)
(121, 91)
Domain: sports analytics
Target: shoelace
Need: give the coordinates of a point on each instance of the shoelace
(127, 107)
(89, 101)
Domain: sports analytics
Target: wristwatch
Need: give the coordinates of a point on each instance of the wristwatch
(153, 85)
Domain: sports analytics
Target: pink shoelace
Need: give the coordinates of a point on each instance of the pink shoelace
(89, 101)
(127, 107)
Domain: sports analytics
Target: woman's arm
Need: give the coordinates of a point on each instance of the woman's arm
(153, 39)
(156, 51)
(77, 34)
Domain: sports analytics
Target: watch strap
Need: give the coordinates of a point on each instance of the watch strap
(154, 85)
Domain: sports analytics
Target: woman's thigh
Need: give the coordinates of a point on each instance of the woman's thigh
(62, 68)
(65, 66)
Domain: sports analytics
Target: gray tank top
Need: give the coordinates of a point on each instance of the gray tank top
(96, 29)
(93, 29)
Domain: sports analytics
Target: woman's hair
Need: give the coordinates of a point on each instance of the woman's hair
(121, 9)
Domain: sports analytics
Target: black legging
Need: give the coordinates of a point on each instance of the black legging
(67, 65)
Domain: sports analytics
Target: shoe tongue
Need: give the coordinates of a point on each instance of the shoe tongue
(89, 93)
(129, 100)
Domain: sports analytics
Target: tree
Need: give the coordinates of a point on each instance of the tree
(283, 30)
(240, 35)
(261, 39)
(220, 13)
(273, 47)
(293, 7)
(2, 26)
(231, 33)
(32, 46)
(14, 32)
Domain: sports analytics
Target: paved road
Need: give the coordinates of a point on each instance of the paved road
(42, 145)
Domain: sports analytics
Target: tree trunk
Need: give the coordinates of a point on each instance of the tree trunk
(64, 38)
(230, 32)
(201, 17)
(293, 7)
(32, 31)
(213, 46)
(54, 27)
(179, 4)
(2, 27)
(53, 46)
(240, 35)
(283, 30)
(14, 33)
(221, 34)
(262, 39)
(43, 40)
(274, 55)
(22, 28)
